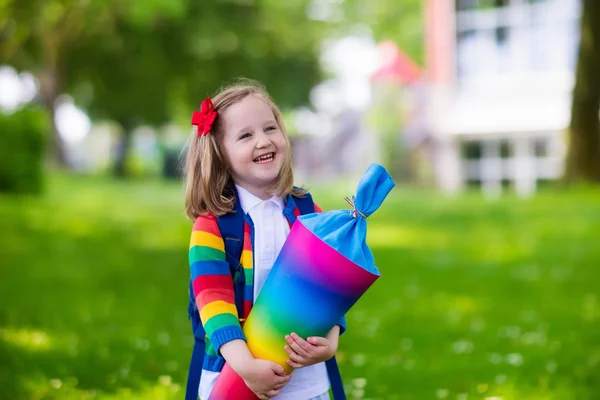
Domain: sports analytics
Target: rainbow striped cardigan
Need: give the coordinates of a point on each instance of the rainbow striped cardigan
(212, 283)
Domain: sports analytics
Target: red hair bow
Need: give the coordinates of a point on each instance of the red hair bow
(204, 118)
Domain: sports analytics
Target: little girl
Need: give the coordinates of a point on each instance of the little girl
(239, 152)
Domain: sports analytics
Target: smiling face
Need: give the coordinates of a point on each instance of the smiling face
(253, 144)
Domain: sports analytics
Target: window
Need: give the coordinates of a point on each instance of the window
(506, 149)
(479, 4)
(508, 36)
(541, 148)
(471, 150)
(473, 183)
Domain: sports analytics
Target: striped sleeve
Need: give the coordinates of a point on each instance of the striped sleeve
(212, 283)
(342, 321)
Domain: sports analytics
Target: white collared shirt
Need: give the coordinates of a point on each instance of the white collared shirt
(270, 231)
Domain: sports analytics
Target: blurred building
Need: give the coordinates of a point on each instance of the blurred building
(500, 78)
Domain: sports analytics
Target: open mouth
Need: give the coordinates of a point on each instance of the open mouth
(264, 159)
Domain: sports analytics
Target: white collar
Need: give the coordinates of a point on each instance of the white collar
(248, 201)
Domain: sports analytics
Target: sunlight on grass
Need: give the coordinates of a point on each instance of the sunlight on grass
(67, 389)
(393, 236)
(164, 388)
(477, 300)
(28, 339)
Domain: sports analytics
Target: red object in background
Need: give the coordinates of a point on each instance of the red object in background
(395, 64)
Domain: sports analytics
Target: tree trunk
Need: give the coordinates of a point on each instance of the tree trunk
(583, 158)
(123, 148)
(49, 91)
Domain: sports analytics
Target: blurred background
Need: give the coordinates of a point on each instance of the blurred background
(486, 113)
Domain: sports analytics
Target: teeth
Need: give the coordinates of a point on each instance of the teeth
(266, 157)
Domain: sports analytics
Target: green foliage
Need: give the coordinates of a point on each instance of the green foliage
(142, 61)
(477, 299)
(152, 62)
(22, 144)
(134, 62)
(398, 21)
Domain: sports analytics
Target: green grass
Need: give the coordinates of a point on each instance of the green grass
(477, 299)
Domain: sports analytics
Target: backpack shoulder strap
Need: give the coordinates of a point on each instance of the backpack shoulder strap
(305, 204)
(193, 382)
(335, 379)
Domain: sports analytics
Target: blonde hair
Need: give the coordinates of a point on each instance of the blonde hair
(209, 187)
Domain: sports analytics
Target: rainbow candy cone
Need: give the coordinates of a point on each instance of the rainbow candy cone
(322, 270)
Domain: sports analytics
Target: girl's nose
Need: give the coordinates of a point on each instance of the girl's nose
(262, 140)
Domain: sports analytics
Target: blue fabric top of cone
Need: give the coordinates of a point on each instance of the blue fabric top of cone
(346, 230)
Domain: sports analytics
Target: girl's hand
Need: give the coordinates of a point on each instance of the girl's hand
(308, 352)
(264, 378)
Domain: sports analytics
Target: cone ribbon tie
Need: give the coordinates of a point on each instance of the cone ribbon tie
(355, 212)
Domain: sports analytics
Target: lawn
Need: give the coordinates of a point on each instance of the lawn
(477, 300)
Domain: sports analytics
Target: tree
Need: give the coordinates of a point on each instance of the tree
(583, 158)
(143, 61)
(398, 21)
(35, 36)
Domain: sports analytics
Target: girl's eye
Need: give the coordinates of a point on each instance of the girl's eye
(244, 136)
(271, 128)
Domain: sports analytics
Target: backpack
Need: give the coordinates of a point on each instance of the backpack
(231, 226)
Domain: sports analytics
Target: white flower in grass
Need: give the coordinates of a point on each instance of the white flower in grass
(511, 332)
(73, 349)
(124, 371)
(500, 379)
(406, 344)
(370, 329)
(359, 316)
(533, 338)
(495, 358)
(442, 393)
(142, 344)
(453, 317)
(515, 359)
(359, 383)
(163, 338)
(358, 360)
(462, 347)
(528, 316)
(56, 383)
(165, 380)
(560, 273)
(477, 325)
(482, 387)
(462, 396)
(172, 366)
